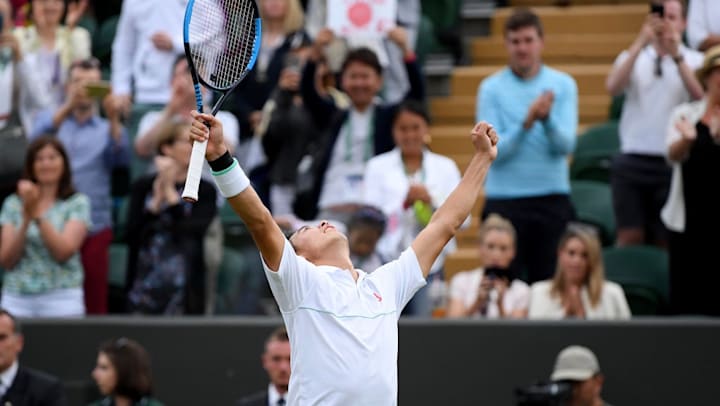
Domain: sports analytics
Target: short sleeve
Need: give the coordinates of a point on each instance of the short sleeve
(621, 309)
(148, 120)
(458, 287)
(624, 55)
(11, 211)
(294, 278)
(231, 129)
(80, 43)
(404, 274)
(521, 295)
(78, 208)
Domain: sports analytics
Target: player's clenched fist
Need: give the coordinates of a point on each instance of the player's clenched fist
(485, 139)
(200, 132)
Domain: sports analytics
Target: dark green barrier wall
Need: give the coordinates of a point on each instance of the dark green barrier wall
(214, 361)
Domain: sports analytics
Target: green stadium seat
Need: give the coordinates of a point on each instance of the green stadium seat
(616, 107)
(443, 14)
(426, 42)
(118, 264)
(594, 152)
(593, 206)
(240, 281)
(90, 24)
(103, 39)
(643, 273)
(120, 217)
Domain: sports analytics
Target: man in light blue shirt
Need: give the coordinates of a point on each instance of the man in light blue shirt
(95, 147)
(534, 109)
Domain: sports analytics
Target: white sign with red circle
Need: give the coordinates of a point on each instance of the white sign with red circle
(369, 18)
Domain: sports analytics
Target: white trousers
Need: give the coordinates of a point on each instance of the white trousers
(55, 303)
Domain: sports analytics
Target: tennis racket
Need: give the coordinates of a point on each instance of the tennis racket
(222, 39)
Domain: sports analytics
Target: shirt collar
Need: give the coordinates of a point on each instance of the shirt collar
(92, 121)
(274, 395)
(8, 376)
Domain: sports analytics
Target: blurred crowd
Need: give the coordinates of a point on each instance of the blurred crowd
(95, 102)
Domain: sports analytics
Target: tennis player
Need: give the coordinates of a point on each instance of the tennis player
(342, 321)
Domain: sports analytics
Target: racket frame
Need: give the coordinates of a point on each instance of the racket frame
(197, 157)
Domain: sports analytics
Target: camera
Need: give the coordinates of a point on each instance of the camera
(293, 62)
(494, 272)
(549, 393)
(658, 9)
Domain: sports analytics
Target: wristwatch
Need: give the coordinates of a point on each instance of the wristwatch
(678, 58)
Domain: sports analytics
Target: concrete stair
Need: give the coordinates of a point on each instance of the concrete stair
(583, 40)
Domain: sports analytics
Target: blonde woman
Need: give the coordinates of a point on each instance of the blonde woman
(490, 291)
(52, 44)
(579, 288)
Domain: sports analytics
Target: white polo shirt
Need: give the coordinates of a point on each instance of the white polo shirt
(649, 99)
(343, 333)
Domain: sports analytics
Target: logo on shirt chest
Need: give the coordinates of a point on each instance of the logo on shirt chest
(377, 296)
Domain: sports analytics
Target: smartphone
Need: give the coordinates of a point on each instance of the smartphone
(658, 9)
(293, 62)
(98, 89)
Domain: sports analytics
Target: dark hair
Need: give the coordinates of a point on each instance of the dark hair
(84, 64)
(364, 56)
(62, 17)
(368, 216)
(65, 188)
(17, 327)
(168, 134)
(412, 106)
(279, 334)
(132, 367)
(521, 18)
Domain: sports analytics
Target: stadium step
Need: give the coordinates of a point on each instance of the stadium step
(590, 78)
(599, 19)
(454, 110)
(559, 48)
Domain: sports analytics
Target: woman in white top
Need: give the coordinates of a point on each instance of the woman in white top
(579, 288)
(52, 47)
(16, 74)
(490, 291)
(408, 183)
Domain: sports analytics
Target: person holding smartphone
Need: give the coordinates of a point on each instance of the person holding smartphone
(95, 146)
(491, 291)
(655, 74)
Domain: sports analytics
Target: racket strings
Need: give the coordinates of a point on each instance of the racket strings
(221, 38)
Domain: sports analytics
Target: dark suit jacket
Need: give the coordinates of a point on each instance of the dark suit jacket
(256, 399)
(34, 388)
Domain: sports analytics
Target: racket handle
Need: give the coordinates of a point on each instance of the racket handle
(194, 173)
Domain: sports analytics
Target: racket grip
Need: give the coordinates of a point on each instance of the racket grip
(194, 173)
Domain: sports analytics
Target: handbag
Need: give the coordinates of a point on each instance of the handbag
(13, 139)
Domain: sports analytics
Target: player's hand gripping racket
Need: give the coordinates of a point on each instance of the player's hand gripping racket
(222, 40)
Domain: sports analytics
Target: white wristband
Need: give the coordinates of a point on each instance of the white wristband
(231, 180)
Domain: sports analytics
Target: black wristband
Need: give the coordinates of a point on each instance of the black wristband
(223, 162)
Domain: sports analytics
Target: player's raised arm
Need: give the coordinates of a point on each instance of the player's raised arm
(451, 214)
(235, 186)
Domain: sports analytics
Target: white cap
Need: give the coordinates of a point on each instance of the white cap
(575, 363)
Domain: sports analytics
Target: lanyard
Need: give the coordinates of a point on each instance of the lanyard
(369, 140)
(409, 175)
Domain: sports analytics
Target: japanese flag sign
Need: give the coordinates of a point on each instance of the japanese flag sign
(361, 18)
